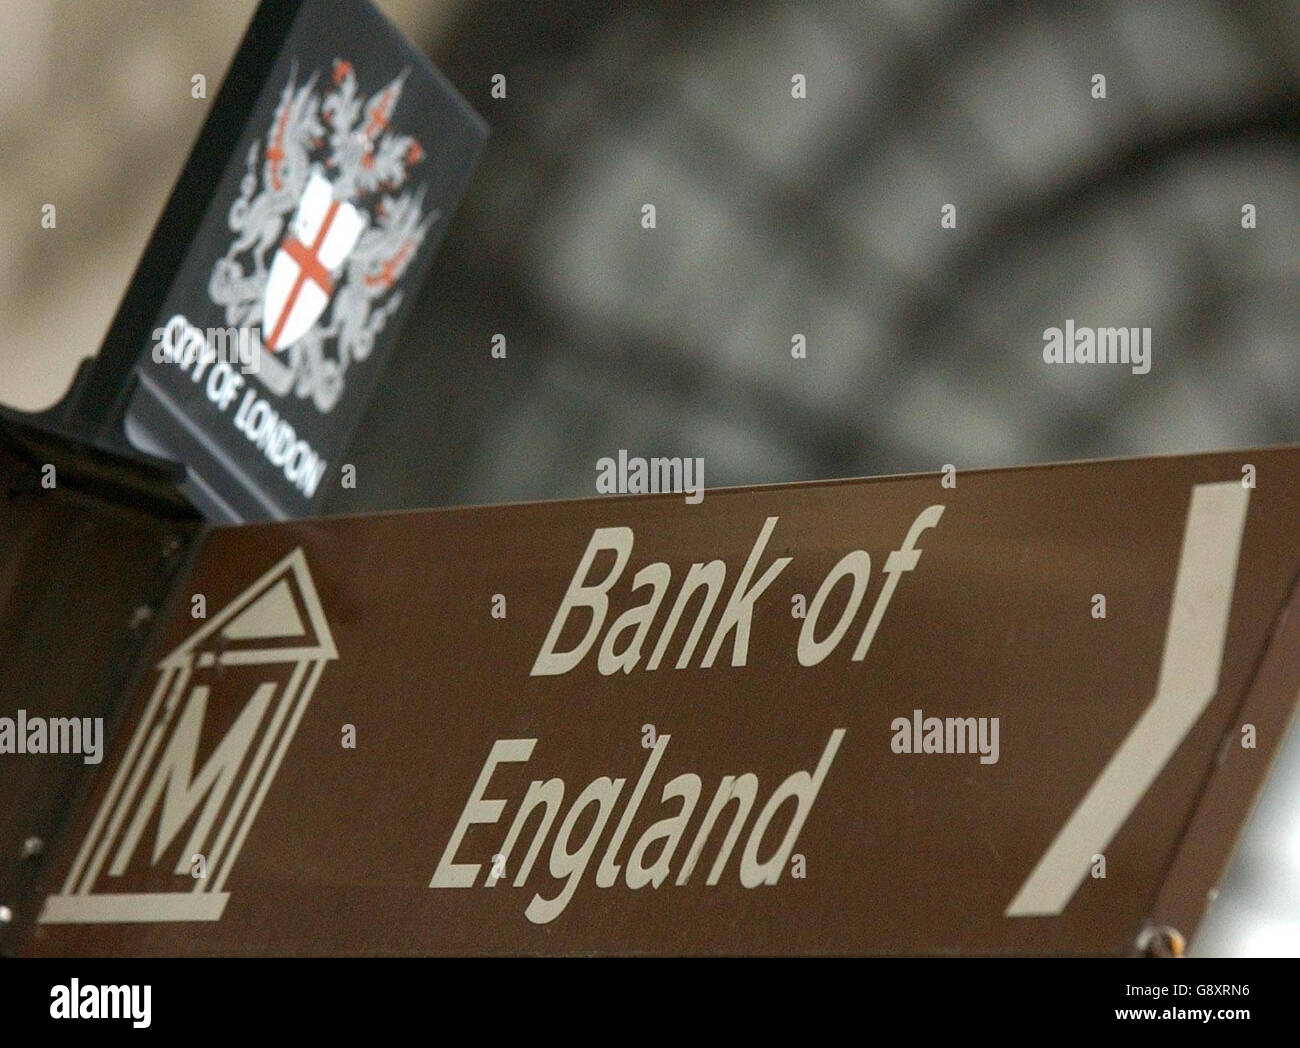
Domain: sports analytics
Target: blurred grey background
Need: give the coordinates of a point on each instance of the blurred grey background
(776, 216)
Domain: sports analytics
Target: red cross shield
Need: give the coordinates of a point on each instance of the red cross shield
(298, 288)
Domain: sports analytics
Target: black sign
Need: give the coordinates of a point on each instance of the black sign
(316, 237)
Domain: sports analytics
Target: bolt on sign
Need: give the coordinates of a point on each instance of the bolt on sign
(876, 716)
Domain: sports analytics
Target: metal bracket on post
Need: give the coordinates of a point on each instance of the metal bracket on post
(93, 543)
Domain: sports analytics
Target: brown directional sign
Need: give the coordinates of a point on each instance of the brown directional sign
(1014, 711)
